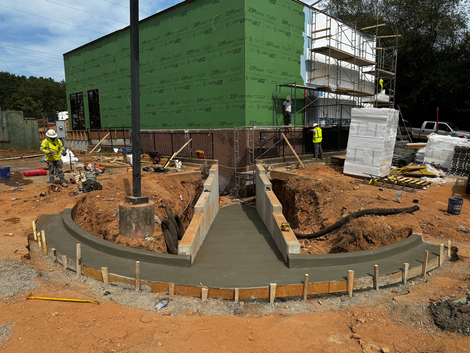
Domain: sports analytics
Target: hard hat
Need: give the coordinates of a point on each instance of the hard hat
(51, 134)
(288, 98)
(315, 125)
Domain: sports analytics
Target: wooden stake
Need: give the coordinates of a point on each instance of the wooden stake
(285, 138)
(99, 143)
(44, 246)
(64, 262)
(137, 276)
(441, 255)
(305, 287)
(204, 292)
(406, 267)
(34, 230)
(272, 292)
(175, 154)
(79, 259)
(376, 277)
(236, 295)
(425, 263)
(171, 289)
(350, 282)
(54, 255)
(39, 240)
(449, 247)
(105, 275)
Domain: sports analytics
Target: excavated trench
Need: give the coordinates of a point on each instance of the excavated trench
(97, 211)
(312, 204)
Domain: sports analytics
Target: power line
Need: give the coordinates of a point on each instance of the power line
(127, 7)
(91, 13)
(49, 19)
(33, 52)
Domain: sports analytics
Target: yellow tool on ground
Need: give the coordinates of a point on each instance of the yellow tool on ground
(285, 226)
(64, 299)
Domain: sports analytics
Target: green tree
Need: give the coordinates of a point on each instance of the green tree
(36, 95)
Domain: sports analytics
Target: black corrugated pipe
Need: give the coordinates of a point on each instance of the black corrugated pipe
(357, 214)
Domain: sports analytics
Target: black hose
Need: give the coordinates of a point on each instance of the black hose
(344, 220)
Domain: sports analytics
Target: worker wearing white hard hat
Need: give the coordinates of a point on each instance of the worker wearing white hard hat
(317, 139)
(287, 105)
(54, 148)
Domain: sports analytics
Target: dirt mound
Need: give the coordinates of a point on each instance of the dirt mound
(448, 317)
(320, 195)
(98, 211)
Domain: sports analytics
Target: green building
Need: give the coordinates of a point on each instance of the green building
(204, 64)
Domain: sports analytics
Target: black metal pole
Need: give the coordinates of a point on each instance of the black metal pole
(135, 104)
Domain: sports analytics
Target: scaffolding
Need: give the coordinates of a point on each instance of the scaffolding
(254, 143)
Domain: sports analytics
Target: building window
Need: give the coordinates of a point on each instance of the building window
(77, 110)
(94, 109)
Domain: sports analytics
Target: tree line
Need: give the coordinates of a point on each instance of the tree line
(433, 63)
(37, 95)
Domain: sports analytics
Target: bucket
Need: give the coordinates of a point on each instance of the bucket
(129, 159)
(91, 176)
(5, 172)
(454, 206)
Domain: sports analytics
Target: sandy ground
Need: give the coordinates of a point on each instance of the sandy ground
(393, 319)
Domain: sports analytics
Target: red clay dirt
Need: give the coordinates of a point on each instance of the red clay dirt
(395, 319)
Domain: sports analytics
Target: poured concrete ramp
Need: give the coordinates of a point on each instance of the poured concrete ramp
(238, 252)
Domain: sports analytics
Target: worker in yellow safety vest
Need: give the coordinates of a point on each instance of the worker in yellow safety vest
(317, 138)
(54, 148)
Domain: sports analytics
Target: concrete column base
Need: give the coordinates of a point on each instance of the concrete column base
(137, 221)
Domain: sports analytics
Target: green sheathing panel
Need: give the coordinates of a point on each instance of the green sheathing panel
(274, 46)
(192, 69)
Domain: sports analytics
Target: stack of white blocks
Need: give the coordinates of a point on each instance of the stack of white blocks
(372, 136)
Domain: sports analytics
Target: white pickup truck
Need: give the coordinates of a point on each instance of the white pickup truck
(444, 128)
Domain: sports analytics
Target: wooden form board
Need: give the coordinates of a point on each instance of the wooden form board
(262, 292)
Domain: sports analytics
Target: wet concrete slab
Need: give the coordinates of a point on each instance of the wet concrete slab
(238, 252)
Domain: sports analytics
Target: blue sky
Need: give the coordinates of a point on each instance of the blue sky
(34, 34)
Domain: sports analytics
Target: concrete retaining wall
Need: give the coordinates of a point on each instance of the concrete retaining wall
(270, 210)
(205, 211)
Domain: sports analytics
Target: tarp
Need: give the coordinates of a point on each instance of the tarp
(371, 143)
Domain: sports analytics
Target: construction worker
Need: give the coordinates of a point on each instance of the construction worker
(287, 105)
(54, 148)
(317, 138)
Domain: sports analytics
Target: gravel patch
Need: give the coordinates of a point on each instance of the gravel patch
(15, 277)
(5, 332)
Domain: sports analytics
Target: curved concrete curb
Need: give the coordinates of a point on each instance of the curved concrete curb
(119, 250)
(302, 261)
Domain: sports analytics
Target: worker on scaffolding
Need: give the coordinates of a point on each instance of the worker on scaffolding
(288, 110)
(317, 138)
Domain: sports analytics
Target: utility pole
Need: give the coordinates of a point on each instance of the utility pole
(135, 106)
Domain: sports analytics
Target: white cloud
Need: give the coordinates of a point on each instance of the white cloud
(36, 33)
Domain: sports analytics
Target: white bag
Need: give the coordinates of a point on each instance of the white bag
(68, 156)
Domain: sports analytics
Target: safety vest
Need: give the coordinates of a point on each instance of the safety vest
(53, 145)
(317, 135)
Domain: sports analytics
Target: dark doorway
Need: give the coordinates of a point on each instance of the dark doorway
(94, 109)
(76, 107)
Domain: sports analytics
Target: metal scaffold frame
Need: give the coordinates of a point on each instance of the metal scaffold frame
(339, 54)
